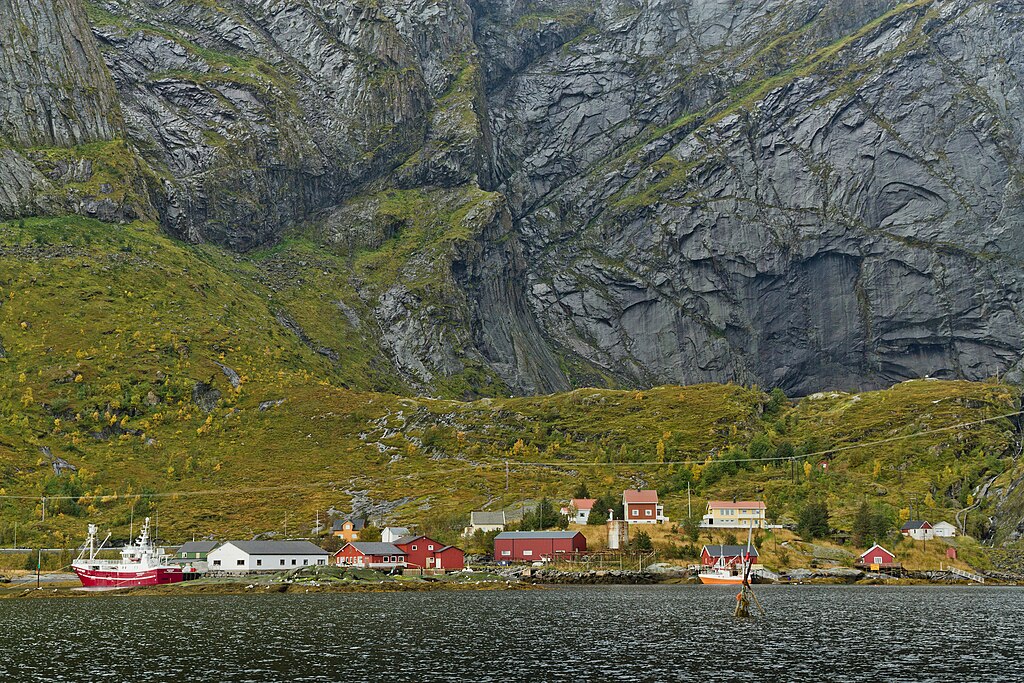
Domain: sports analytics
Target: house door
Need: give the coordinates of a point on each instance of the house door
(430, 563)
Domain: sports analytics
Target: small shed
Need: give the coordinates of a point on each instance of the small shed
(944, 530)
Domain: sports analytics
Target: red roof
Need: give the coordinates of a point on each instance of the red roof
(741, 504)
(583, 503)
(633, 496)
(873, 549)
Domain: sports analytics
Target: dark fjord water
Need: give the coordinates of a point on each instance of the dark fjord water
(651, 633)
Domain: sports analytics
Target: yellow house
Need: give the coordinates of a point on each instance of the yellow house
(735, 514)
(348, 529)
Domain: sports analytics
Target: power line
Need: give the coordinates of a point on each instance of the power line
(522, 463)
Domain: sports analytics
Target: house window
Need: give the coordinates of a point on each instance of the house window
(305, 562)
(216, 563)
(878, 560)
(319, 561)
(647, 512)
(414, 547)
(430, 547)
(527, 553)
(293, 563)
(240, 563)
(259, 563)
(636, 513)
(504, 553)
(282, 563)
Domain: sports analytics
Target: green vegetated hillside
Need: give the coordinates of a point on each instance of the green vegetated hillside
(241, 395)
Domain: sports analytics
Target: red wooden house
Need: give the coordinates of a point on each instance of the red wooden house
(423, 552)
(367, 555)
(537, 545)
(877, 556)
(728, 555)
(642, 507)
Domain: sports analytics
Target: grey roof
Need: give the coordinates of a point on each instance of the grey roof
(730, 550)
(278, 547)
(481, 518)
(357, 524)
(400, 530)
(407, 539)
(370, 548)
(536, 534)
(198, 546)
(914, 524)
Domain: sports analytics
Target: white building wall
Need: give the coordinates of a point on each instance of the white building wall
(233, 559)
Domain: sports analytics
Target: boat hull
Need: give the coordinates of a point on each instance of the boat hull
(721, 580)
(109, 578)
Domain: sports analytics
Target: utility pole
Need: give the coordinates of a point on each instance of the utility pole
(318, 521)
(506, 475)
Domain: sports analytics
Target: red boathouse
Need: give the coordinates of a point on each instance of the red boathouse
(518, 546)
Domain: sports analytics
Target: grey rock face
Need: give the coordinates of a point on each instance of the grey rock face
(54, 89)
(851, 222)
(809, 194)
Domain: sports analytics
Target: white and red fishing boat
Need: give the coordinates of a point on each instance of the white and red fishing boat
(141, 564)
(721, 574)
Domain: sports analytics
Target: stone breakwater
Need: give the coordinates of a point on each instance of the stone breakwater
(591, 577)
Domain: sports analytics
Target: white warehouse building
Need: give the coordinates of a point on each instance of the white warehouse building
(267, 556)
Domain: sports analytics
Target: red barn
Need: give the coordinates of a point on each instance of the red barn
(423, 552)
(371, 556)
(642, 507)
(877, 556)
(537, 545)
(728, 555)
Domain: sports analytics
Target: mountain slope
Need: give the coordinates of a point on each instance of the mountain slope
(810, 195)
(152, 367)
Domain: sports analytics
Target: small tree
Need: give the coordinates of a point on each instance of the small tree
(642, 541)
(813, 522)
(370, 534)
(581, 491)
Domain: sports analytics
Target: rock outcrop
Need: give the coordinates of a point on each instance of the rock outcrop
(812, 194)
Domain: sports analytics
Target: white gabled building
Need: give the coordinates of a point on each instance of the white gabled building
(265, 556)
(944, 530)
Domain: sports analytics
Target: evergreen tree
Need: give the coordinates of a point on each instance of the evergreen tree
(813, 522)
(862, 526)
(581, 491)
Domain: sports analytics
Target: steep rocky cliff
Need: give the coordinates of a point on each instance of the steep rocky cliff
(534, 194)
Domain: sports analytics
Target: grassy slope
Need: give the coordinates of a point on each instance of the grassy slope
(108, 328)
